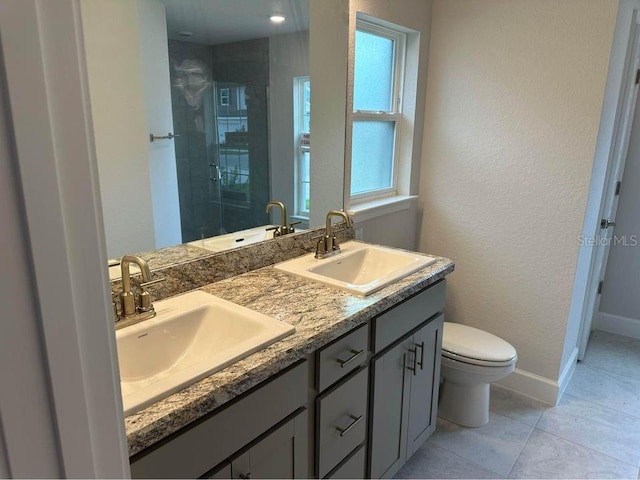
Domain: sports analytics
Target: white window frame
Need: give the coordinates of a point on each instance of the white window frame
(298, 147)
(225, 96)
(395, 112)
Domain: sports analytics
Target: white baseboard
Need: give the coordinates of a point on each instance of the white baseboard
(567, 372)
(629, 327)
(532, 385)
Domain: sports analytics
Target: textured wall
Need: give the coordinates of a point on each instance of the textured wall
(288, 58)
(119, 124)
(514, 92)
(154, 57)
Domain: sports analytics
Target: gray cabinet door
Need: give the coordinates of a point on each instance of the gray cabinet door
(425, 381)
(389, 412)
(282, 453)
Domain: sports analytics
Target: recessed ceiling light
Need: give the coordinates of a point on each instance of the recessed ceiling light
(277, 18)
(185, 33)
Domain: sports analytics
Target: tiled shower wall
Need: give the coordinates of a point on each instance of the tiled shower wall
(194, 69)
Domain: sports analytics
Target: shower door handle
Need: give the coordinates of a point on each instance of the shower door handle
(214, 172)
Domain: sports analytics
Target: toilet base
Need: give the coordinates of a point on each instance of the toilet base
(466, 405)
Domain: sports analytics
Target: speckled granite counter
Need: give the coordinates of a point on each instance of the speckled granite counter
(319, 313)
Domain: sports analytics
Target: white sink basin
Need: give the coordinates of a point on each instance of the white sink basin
(234, 240)
(191, 337)
(360, 268)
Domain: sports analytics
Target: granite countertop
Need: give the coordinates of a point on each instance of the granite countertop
(320, 314)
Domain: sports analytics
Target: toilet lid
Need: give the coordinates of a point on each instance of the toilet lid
(463, 342)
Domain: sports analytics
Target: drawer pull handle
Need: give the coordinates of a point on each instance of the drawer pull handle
(421, 362)
(356, 420)
(414, 369)
(355, 354)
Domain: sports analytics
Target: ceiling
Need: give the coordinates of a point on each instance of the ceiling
(224, 21)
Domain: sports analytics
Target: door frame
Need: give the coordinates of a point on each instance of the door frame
(611, 151)
(42, 44)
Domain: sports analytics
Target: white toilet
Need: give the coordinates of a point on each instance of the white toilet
(471, 360)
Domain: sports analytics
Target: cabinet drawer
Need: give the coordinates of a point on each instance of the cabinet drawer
(342, 356)
(341, 421)
(401, 319)
(353, 467)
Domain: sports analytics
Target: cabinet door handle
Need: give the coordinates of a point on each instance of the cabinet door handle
(356, 420)
(421, 362)
(355, 354)
(414, 369)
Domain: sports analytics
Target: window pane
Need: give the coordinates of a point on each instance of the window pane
(373, 72)
(372, 155)
(303, 200)
(306, 112)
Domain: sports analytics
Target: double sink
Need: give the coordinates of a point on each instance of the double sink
(197, 334)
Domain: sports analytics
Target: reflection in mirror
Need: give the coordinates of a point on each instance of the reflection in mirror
(230, 89)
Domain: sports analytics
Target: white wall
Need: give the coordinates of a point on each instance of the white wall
(514, 94)
(121, 136)
(620, 301)
(399, 229)
(154, 55)
(328, 34)
(288, 58)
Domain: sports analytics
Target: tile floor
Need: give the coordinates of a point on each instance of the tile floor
(594, 432)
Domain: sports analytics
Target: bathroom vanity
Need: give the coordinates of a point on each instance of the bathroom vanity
(351, 394)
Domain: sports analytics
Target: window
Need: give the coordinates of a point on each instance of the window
(233, 144)
(377, 101)
(302, 147)
(224, 97)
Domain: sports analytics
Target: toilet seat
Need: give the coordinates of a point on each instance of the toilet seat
(476, 347)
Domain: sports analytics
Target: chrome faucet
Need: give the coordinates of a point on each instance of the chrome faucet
(328, 245)
(282, 229)
(130, 313)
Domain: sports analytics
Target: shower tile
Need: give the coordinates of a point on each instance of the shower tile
(494, 446)
(431, 461)
(606, 389)
(518, 407)
(614, 353)
(593, 426)
(547, 456)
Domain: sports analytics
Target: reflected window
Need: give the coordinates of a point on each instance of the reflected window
(233, 143)
(224, 97)
(302, 136)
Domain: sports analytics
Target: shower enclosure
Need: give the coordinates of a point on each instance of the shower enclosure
(220, 116)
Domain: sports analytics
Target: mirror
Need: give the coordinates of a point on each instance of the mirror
(201, 114)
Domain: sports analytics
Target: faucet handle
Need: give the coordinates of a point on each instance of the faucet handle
(292, 225)
(276, 231)
(114, 304)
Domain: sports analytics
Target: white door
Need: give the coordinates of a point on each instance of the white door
(623, 134)
(619, 309)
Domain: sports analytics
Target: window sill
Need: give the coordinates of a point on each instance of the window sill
(364, 211)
